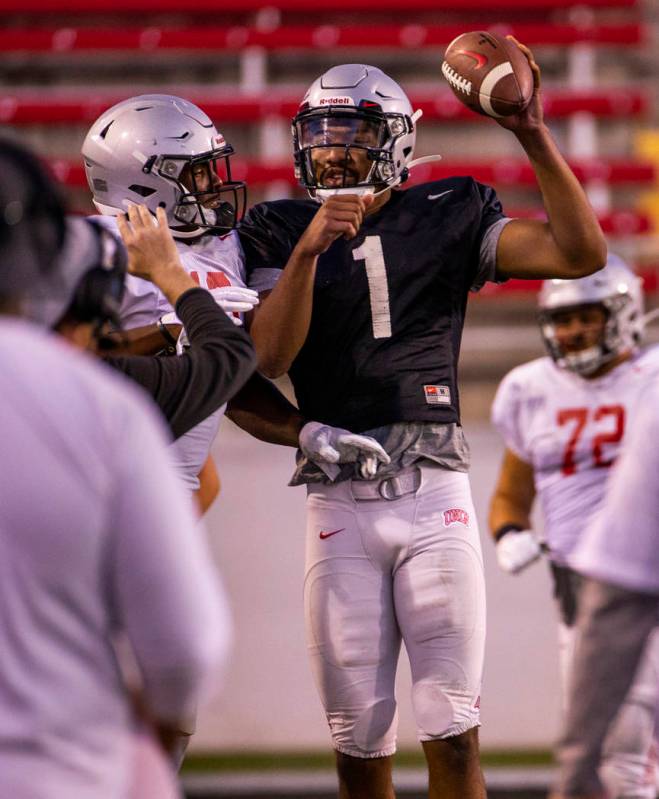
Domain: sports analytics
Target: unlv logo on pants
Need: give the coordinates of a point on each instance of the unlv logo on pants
(456, 516)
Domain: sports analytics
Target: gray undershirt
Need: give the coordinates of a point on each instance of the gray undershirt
(405, 443)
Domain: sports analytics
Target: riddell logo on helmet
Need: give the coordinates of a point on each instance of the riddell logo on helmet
(219, 141)
(336, 101)
(456, 516)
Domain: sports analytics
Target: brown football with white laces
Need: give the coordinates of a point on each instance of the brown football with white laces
(488, 73)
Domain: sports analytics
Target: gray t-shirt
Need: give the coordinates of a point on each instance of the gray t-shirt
(405, 443)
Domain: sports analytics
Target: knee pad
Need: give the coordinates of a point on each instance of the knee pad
(443, 714)
(368, 732)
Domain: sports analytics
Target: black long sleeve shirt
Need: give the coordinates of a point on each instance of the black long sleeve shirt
(189, 387)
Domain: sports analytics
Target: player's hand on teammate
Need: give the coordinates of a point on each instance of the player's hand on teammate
(338, 216)
(328, 446)
(531, 117)
(517, 549)
(149, 243)
(235, 300)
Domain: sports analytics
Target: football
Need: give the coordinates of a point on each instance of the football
(488, 73)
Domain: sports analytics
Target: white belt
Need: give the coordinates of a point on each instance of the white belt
(405, 482)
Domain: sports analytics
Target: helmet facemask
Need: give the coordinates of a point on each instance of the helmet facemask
(207, 198)
(347, 150)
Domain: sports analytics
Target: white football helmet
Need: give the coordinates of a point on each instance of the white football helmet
(618, 290)
(359, 111)
(137, 151)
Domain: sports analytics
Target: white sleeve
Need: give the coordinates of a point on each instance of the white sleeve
(621, 545)
(167, 595)
(506, 416)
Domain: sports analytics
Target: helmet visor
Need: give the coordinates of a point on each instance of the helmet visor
(341, 129)
(341, 150)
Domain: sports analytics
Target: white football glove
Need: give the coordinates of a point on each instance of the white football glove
(328, 446)
(517, 549)
(235, 299)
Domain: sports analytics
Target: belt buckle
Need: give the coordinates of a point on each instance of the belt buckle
(399, 485)
(385, 486)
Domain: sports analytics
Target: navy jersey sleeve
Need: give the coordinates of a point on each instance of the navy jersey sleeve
(268, 234)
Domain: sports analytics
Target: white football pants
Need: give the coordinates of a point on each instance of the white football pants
(628, 761)
(380, 570)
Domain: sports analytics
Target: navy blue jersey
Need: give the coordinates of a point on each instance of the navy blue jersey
(388, 306)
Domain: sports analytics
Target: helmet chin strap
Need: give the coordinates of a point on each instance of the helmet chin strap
(320, 195)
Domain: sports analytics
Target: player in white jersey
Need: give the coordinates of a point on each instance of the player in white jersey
(163, 151)
(563, 419)
(619, 553)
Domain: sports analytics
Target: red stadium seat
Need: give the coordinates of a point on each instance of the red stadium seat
(138, 7)
(287, 37)
(504, 172)
(615, 223)
(440, 105)
(648, 274)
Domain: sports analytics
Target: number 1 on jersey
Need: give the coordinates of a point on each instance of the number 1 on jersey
(378, 289)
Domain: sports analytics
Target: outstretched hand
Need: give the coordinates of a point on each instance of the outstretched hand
(531, 118)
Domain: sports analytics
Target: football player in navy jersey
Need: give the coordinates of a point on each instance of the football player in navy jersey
(362, 303)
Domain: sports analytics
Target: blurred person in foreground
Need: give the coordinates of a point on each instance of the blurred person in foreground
(619, 611)
(564, 419)
(99, 545)
(364, 292)
(84, 295)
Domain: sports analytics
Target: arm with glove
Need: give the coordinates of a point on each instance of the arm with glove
(264, 412)
(517, 546)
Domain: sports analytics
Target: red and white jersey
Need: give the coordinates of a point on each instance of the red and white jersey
(570, 430)
(212, 261)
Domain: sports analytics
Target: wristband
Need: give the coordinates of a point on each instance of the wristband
(506, 528)
(164, 332)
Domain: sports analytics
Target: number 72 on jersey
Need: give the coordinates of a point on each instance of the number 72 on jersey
(578, 418)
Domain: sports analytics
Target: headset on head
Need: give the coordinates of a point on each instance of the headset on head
(98, 295)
